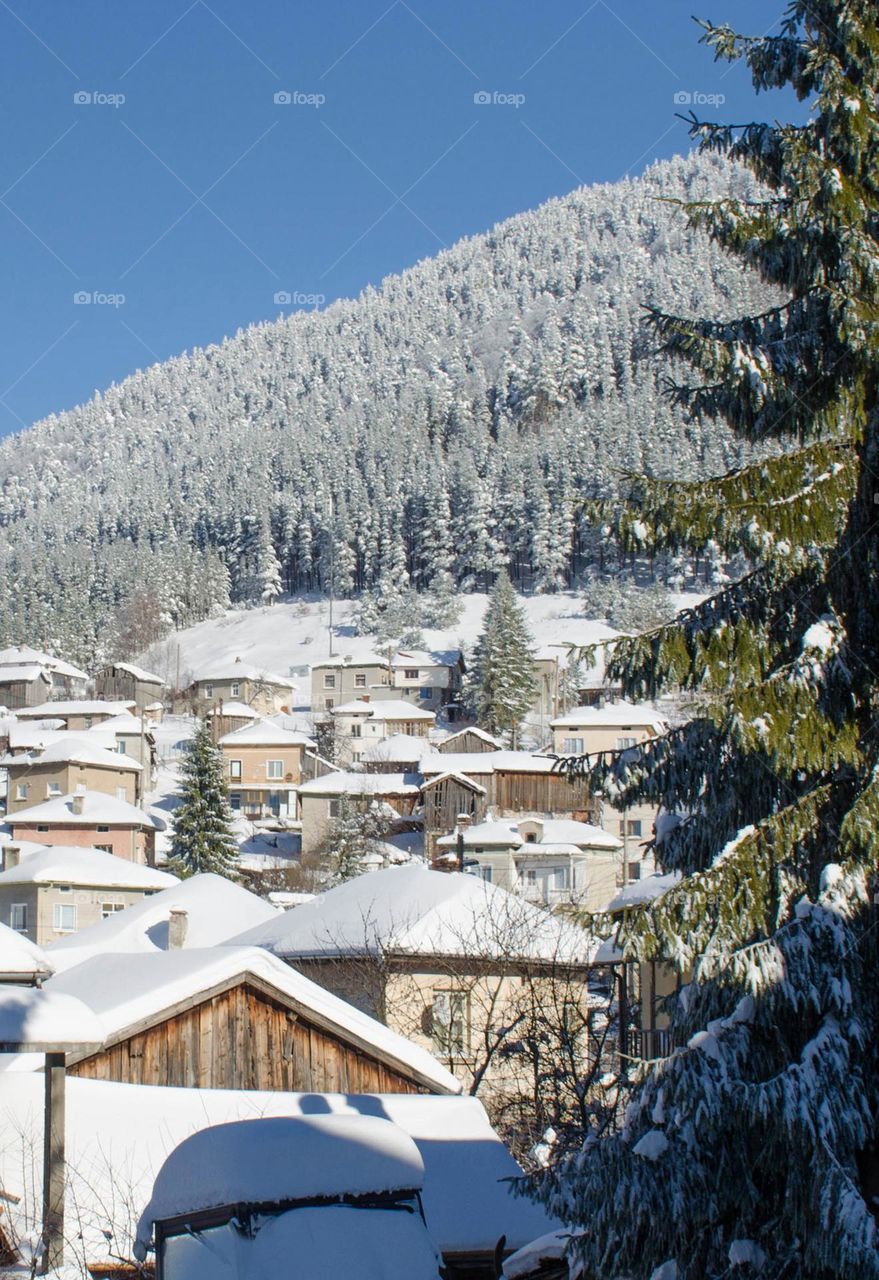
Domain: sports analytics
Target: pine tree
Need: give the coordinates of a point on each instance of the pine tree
(749, 1151)
(203, 839)
(502, 686)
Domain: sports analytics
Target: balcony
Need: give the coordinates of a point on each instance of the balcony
(656, 1042)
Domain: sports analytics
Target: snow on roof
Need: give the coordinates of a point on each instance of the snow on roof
(461, 778)
(21, 959)
(342, 783)
(21, 674)
(70, 748)
(554, 833)
(620, 715)
(528, 1260)
(71, 864)
(477, 733)
(390, 709)
(467, 1200)
(23, 653)
(486, 762)
(646, 890)
(132, 988)
(215, 908)
(238, 670)
(410, 910)
(125, 722)
(35, 733)
(264, 733)
(269, 1160)
(96, 808)
(398, 747)
(75, 707)
(404, 658)
(235, 710)
(503, 835)
(35, 1019)
(146, 677)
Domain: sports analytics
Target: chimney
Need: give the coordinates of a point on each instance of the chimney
(11, 856)
(78, 800)
(177, 923)
(464, 821)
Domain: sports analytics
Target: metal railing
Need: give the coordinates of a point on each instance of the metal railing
(656, 1042)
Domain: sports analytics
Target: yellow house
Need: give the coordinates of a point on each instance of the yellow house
(263, 766)
(66, 764)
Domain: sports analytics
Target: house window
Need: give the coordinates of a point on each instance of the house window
(274, 768)
(64, 917)
(104, 848)
(623, 743)
(451, 1030)
(110, 908)
(53, 788)
(335, 808)
(21, 791)
(329, 681)
(121, 794)
(209, 691)
(18, 917)
(235, 690)
(356, 731)
(425, 694)
(96, 828)
(356, 757)
(360, 680)
(572, 746)
(120, 747)
(41, 829)
(410, 673)
(235, 770)
(89, 721)
(329, 703)
(235, 801)
(486, 873)
(632, 828)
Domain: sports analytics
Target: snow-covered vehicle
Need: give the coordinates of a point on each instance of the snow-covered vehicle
(291, 1199)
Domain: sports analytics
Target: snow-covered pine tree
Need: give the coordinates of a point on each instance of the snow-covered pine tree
(750, 1151)
(203, 839)
(501, 683)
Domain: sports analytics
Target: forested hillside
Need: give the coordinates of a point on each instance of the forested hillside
(430, 430)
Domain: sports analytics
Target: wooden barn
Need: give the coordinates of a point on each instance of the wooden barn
(237, 1018)
(468, 740)
(445, 798)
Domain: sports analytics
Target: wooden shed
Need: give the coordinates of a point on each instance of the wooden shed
(444, 799)
(238, 1018)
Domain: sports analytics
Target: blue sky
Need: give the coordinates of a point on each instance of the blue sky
(194, 167)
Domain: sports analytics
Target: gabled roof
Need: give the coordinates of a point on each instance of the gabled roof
(235, 711)
(476, 732)
(461, 778)
(482, 762)
(235, 669)
(612, 715)
(264, 733)
(20, 959)
(343, 783)
(71, 748)
(555, 834)
(385, 709)
(401, 747)
(131, 989)
(96, 808)
(215, 910)
(22, 674)
(73, 864)
(23, 653)
(411, 911)
(145, 677)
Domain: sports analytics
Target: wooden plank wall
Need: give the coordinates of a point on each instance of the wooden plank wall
(241, 1039)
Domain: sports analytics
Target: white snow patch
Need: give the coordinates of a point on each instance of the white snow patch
(652, 1146)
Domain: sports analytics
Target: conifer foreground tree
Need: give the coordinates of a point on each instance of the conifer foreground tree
(203, 839)
(502, 687)
(750, 1150)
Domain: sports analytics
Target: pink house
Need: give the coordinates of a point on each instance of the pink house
(89, 819)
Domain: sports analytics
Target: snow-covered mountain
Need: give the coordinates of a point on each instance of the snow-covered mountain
(437, 426)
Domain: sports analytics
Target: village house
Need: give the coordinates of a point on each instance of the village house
(263, 765)
(470, 740)
(509, 783)
(24, 685)
(59, 679)
(552, 861)
(131, 736)
(237, 681)
(77, 713)
(124, 682)
(64, 765)
(429, 680)
(437, 956)
(226, 717)
(49, 892)
(236, 1017)
(323, 799)
(607, 727)
(91, 819)
(360, 723)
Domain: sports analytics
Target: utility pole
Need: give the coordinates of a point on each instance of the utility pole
(332, 569)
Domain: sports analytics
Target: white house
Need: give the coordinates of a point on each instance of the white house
(362, 722)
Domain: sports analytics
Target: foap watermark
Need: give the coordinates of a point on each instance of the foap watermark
(494, 98)
(86, 98)
(296, 298)
(696, 98)
(95, 298)
(296, 98)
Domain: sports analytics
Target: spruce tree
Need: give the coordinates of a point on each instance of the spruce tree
(749, 1151)
(502, 686)
(203, 839)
